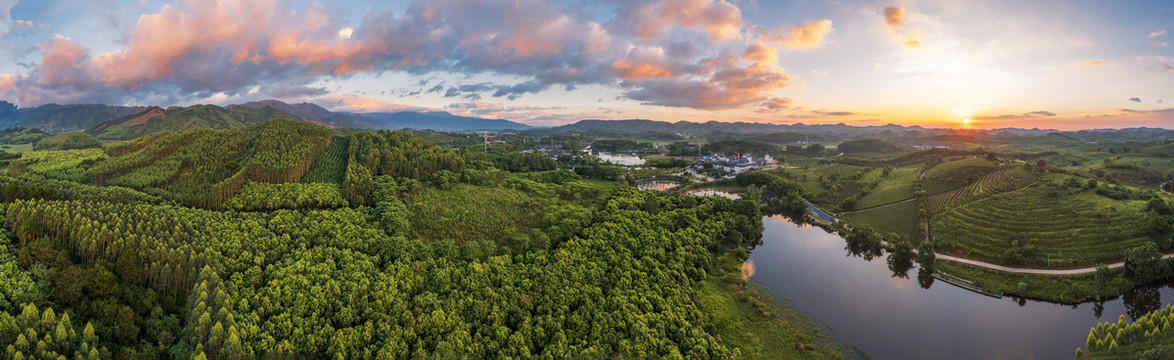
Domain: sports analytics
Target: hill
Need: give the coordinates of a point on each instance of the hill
(177, 118)
(438, 120)
(55, 119)
(68, 141)
(311, 113)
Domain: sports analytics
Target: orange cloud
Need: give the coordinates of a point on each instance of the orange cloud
(894, 17)
(804, 36)
(630, 70)
(1097, 63)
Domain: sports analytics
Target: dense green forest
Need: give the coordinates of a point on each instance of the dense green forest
(283, 240)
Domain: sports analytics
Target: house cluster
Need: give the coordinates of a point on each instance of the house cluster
(553, 150)
(733, 164)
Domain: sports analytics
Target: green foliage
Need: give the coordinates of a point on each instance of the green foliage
(332, 164)
(21, 136)
(1144, 263)
(258, 196)
(867, 146)
(68, 141)
(54, 336)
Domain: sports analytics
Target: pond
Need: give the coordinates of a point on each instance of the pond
(916, 317)
(621, 159)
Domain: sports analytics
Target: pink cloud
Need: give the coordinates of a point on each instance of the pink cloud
(720, 19)
(805, 36)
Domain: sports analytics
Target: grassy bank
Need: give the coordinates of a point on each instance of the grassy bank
(761, 327)
(1061, 289)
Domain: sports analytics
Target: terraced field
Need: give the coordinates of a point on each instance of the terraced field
(896, 187)
(896, 218)
(935, 186)
(998, 182)
(1083, 228)
(962, 171)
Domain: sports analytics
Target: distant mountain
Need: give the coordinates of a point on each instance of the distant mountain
(179, 118)
(312, 113)
(687, 127)
(439, 120)
(56, 119)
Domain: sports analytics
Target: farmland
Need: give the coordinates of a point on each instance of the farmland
(896, 187)
(1073, 226)
(900, 218)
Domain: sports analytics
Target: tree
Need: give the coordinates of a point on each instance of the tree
(1144, 263)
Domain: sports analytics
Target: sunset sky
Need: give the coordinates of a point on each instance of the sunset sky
(1041, 63)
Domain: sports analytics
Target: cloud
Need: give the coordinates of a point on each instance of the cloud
(1097, 63)
(894, 17)
(835, 113)
(1158, 111)
(6, 16)
(1026, 115)
(720, 19)
(1156, 37)
(681, 53)
(805, 36)
(1136, 100)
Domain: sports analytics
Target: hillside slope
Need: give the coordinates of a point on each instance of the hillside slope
(158, 119)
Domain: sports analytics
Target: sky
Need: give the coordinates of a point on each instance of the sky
(1053, 64)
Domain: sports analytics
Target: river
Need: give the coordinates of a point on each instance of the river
(891, 317)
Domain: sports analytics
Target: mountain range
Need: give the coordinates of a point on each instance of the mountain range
(123, 122)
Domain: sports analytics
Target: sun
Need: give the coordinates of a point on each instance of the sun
(966, 121)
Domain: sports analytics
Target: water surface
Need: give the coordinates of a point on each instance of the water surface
(891, 317)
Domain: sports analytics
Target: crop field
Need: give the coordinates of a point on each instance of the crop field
(998, 182)
(896, 187)
(935, 186)
(896, 218)
(837, 169)
(1081, 228)
(962, 171)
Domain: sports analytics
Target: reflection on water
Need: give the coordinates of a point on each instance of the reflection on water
(899, 317)
(747, 269)
(657, 185)
(621, 159)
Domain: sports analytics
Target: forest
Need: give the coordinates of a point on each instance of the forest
(283, 240)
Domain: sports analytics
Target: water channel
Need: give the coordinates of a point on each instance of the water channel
(912, 317)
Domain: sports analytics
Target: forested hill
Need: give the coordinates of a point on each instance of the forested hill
(57, 119)
(177, 118)
(312, 113)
